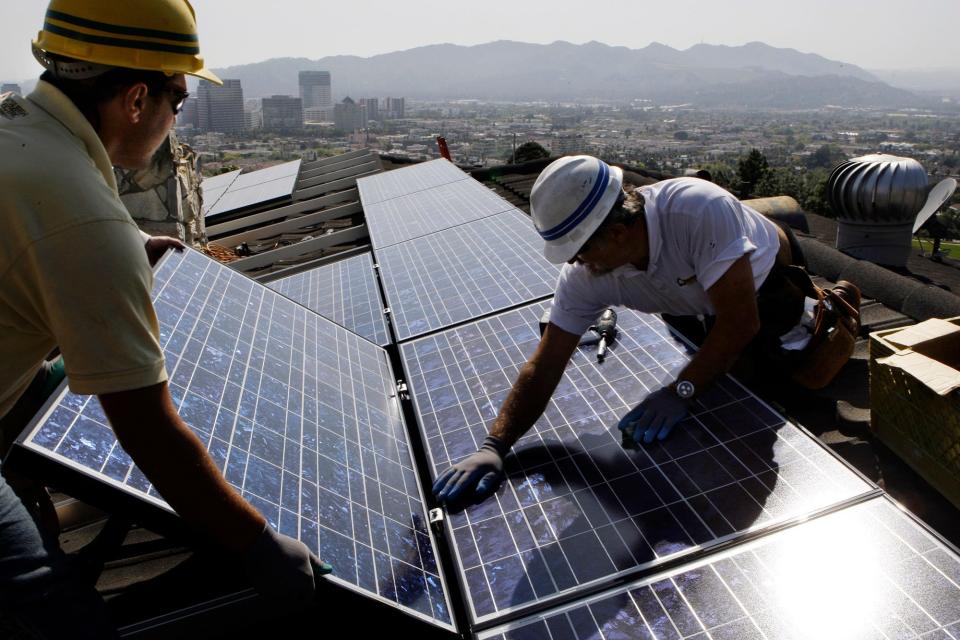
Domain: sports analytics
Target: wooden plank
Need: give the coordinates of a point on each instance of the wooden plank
(319, 171)
(336, 185)
(336, 175)
(312, 264)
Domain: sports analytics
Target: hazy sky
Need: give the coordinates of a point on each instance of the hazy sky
(875, 34)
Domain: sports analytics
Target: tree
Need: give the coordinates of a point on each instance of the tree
(526, 152)
(751, 169)
(826, 156)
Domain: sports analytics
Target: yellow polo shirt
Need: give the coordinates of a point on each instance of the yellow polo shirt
(73, 270)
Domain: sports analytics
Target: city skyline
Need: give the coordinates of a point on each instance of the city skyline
(859, 32)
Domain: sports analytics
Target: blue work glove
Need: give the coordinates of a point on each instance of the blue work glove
(474, 478)
(282, 568)
(653, 418)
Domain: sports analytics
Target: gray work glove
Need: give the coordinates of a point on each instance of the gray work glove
(653, 418)
(282, 568)
(475, 477)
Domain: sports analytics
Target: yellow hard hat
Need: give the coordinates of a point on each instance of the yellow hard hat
(155, 35)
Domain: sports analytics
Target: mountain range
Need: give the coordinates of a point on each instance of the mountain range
(751, 75)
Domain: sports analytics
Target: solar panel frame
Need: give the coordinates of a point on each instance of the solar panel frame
(464, 272)
(897, 579)
(345, 291)
(533, 540)
(418, 214)
(288, 461)
(213, 188)
(407, 180)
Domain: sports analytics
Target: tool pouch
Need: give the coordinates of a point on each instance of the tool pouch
(836, 323)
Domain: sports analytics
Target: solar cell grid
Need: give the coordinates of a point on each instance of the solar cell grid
(345, 292)
(407, 180)
(298, 413)
(577, 509)
(464, 272)
(425, 212)
(867, 571)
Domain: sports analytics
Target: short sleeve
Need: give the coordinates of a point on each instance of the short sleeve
(93, 285)
(575, 304)
(720, 239)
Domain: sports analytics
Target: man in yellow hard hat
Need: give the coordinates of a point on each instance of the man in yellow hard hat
(75, 274)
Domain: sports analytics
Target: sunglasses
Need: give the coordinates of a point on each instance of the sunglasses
(178, 98)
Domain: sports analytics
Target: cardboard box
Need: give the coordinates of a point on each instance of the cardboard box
(930, 352)
(915, 399)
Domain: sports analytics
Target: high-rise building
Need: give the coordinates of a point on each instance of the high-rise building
(6, 88)
(394, 108)
(220, 108)
(349, 116)
(315, 89)
(282, 112)
(372, 106)
(318, 114)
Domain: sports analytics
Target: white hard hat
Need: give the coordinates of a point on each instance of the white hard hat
(569, 200)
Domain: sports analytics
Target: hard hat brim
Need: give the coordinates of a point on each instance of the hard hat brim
(564, 249)
(208, 75)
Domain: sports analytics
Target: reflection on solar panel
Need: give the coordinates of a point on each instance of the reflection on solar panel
(299, 414)
(578, 509)
(256, 187)
(464, 272)
(865, 572)
(421, 213)
(401, 182)
(345, 292)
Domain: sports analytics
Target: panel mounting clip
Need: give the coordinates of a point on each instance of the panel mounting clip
(402, 391)
(386, 311)
(436, 517)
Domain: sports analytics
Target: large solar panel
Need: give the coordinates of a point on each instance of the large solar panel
(867, 571)
(577, 510)
(345, 292)
(257, 187)
(464, 272)
(418, 214)
(299, 414)
(407, 180)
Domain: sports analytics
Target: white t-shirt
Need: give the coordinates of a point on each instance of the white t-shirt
(696, 230)
(73, 270)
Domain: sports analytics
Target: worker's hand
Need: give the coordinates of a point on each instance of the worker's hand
(158, 245)
(655, 417)
(474, 478)
(282, 568)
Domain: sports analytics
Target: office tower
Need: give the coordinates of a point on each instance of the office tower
(220, 108)
(282, 112)
(349, 116)
(315, 89)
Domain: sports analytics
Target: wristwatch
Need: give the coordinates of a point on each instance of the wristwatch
(685, 389)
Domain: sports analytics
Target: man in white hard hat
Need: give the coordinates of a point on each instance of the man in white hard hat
(75, 275)
(684, 247)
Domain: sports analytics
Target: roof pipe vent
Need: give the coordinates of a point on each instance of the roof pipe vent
(876, 199)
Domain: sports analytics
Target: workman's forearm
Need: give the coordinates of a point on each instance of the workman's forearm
(535, 384)
(734, 301)
(177, 464)
(526, 402)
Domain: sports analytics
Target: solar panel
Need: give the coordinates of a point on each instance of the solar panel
(345, 291)
(867, 571)
(299, 414)
(257, 187)
(577, 509)
(214, 187)
(464, 272)
(425, 212)
(407, 180)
